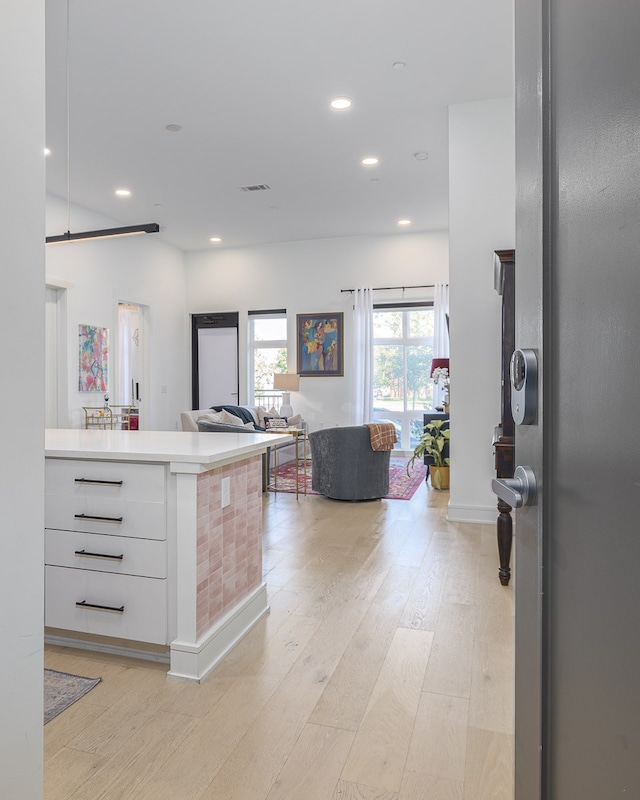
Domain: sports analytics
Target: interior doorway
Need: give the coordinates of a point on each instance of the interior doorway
(214, 354)
(132, 359)
(55, 361)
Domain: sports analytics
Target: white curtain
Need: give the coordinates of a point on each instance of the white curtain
(363, 356)
(440, 332)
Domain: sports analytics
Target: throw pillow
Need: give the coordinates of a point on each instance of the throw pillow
(230, 419)
(212, 417)
(275, 422)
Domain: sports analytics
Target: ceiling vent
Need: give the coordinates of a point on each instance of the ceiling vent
(256, 187)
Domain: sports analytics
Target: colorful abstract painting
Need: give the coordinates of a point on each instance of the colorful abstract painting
(94, 358)
(320, 344)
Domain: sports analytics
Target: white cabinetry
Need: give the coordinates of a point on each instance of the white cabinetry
(106, 549)
(140, 559)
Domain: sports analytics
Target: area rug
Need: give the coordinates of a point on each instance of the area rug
(401, 485)
(61, 690)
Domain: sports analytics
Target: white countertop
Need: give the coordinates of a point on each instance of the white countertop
(159, 446)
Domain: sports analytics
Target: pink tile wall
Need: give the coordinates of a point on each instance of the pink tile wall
(229, 540)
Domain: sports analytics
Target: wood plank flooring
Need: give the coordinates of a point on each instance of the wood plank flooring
(383, 672)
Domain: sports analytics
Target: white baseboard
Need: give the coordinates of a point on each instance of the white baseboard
(483, 515)
(103, 647)
(193, 662)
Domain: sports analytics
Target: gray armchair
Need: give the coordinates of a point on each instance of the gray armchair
(345, 467)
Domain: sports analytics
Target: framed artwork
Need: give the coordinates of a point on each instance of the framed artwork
(320, 339)
(94, 358)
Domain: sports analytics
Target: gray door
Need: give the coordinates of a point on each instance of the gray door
(578, 305)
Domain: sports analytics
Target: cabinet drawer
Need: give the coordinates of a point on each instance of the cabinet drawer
(111, 516)
(119, 554)
(113, 480)
(143, 600)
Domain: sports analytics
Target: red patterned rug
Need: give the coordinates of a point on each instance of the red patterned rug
(401, 485)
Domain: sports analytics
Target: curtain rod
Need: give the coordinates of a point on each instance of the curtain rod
(387, 288)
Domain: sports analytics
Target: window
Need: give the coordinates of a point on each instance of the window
(267, 345)
(402, 353)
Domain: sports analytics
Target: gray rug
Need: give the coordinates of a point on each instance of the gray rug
(61, 690)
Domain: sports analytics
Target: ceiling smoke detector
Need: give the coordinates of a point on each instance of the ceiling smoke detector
(256, 187)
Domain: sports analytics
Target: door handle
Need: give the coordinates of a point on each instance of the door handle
(517, 491)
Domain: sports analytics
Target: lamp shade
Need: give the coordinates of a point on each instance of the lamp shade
(286, 381)
(439, 363)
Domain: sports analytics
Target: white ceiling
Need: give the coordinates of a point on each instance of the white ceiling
(250, 82)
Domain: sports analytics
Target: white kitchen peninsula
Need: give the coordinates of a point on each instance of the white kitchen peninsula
(153, 542)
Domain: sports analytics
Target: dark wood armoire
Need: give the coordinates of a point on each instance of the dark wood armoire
(504, 434)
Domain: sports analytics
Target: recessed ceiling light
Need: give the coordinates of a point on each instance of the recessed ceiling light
(340, 103)
(370, 161)
(404, 222)
(399, 65)
(215, 239)
(421, 156)
(123, 192)
(47, 152)
(173, 128)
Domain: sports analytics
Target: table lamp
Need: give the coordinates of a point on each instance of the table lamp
(286, 382)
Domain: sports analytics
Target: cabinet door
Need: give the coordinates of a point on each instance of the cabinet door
(105, 479)
(106, 497)
(119, 554)
(121, 606)
(114, 517)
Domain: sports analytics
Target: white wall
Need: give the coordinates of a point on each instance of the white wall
(21, 405)
(99, 274)
(481, 220)
(305, 278)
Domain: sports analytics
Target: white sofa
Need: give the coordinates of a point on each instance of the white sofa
(189, 422)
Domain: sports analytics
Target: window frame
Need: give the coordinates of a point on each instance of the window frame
(407, 415)
(262, 344)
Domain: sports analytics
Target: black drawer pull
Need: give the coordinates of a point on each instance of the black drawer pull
(93, 518)
(95, 482)
(84, 604)
(99, 555)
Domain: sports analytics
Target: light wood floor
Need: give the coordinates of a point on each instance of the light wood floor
(384, 672)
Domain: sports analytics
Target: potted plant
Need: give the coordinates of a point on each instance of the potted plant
(432, 444)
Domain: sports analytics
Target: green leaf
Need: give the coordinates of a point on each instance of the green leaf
(432, 444)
